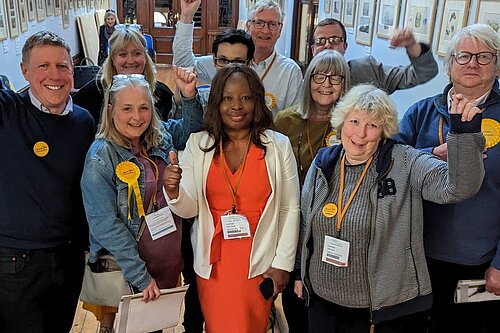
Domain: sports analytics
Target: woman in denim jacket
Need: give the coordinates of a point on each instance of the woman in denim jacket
(132, 140)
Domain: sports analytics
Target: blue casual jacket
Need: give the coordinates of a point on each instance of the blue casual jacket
(466, 233)
(105, 197)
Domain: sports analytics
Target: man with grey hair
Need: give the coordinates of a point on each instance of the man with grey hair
(43, 230)
(462, 241)
(281, 76)
(331, 34)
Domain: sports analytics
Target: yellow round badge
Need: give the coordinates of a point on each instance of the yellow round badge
(41, 149)
(329, 210)
(270, 100)
(491, 131)
(331, 138)
(127, 172)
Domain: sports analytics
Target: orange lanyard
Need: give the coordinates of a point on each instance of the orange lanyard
(242, 164)
(440, 130)
(353, 194)
(311, 151)
(155, 172)
(269, 67)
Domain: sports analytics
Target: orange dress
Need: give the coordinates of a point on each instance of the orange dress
(230, 301)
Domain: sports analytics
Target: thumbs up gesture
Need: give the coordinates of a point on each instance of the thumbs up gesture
(172, 176)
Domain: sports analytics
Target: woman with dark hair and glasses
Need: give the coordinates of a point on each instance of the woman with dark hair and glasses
(127, 55)
(308, 127)
(133, 139)
(239, 182)
(105, 32)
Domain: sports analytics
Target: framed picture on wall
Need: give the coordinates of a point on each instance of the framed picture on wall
(364, 23)
(23, 15)
(57, 7)
(13, 18)
(336, 9)
(419, 17)
(40, 10)
(31, 9)
(49, 7)
(65, 13)
(488, 11)
(387, 17)
(4, 30)
(349, 13)
(453, 18)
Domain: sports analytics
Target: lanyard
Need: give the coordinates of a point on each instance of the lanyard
(242, 164)
(156, 174)
(440, 130)
(269, 67)
(353, 194)
(311, 151)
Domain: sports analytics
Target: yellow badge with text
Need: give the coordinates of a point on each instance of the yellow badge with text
(491, 131)
(331, 138)
(129, 173)
(270, 100)
(41, 149)
(330, 210)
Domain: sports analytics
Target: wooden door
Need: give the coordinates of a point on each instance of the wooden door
(305, 18)
(158, 18)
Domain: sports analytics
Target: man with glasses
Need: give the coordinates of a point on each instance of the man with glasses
(462, 241)
(43, 229)
(280, 75)
(331, 34)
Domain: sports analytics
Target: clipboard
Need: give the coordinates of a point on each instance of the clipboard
(136, 316)
(469, 291)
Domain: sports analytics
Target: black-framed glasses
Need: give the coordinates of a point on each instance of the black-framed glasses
(483, 58)
(334, 79)
(333, 40)
(224, 62)
(272, 25)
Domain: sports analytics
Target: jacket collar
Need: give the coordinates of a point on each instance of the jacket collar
(494, 97)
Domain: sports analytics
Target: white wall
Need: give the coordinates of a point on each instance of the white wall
(381, 51)
(10, 49)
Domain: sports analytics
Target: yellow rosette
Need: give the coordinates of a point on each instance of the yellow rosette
(491, 131)
(270, 100)
(331, 138)
(129, 173)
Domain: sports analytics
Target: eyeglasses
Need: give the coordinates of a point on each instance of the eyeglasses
(224, 62)
(333, 40)
(110, 11)
(136, 27)
(334, 79)
(483, 58)
(123, 77)
(272, 25)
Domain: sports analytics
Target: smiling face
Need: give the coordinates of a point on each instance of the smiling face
(130, 60)
(472, 79)
(326, 31)
(265, 39)
(110, 21)
(324, 95)
(131, 112)
(360, 136)
(49, 72)
(237, 106)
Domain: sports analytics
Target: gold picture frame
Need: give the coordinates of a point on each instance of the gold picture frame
(419, 17)
(364, 22)
(453, 18)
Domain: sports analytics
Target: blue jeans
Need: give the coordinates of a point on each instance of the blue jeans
(39, 289)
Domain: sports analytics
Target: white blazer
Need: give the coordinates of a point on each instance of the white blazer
(275, 240)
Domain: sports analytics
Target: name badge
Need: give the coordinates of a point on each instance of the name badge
(235, 226)
(335, 251)
(160, 223)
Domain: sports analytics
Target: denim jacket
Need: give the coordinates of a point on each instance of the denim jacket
(105, 198)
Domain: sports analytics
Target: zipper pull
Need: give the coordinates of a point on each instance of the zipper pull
(372, 327)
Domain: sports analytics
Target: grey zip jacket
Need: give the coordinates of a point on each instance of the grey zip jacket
(397, 274)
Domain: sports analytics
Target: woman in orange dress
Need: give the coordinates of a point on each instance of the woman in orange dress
(239, 181)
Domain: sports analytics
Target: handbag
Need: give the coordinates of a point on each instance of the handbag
(83, 74)
(105, 287)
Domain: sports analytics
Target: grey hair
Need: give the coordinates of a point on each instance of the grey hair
(152, 136)
(373, 101)
(327, 61)
(480, 32)
(263, 5)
